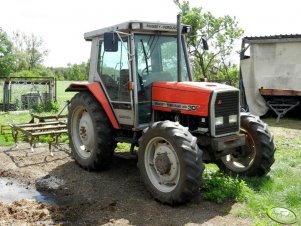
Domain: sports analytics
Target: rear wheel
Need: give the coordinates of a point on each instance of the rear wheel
(90, 132)
(256, 157)
(170, 162)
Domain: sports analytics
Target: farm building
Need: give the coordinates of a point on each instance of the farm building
(271, 73)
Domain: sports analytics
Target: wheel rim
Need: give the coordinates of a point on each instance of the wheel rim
(162, 164)
(242, 162)
(82, 132)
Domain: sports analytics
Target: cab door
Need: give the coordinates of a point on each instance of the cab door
(114, 71)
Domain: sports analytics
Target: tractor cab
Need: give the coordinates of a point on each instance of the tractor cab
(127, 59)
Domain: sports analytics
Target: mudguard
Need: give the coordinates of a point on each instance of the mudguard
(96, 90)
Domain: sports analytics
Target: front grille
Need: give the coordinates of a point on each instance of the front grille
(226, 104)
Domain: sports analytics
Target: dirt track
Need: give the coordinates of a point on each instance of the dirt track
(77, 197)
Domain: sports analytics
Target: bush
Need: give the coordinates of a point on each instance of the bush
(48, 106)
(219, 187)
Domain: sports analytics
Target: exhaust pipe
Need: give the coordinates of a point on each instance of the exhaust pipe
(179, 47)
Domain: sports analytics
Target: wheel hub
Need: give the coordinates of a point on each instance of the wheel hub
(86, 131)
(162, 163)
(243, 158)
(83, 132)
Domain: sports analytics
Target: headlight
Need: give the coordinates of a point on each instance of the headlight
(232, 118)
(219, 121)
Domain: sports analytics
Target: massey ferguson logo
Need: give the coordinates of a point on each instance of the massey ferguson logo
(192, 107)
(177, 106)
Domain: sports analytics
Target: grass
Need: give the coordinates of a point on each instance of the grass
(282, 186)
(253, 196)
(63, 96)
(5, 119)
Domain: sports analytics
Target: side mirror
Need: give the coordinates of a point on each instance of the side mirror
(110, 42)
(205, 44)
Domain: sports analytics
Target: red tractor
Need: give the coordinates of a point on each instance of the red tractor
(141, 91)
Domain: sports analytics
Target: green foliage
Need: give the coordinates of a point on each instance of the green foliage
(220, 34)
(7, 58)
(228, 75)
(74, 72)
(48, 106)
(60, 73)
(78, 72)
(36, 72)
(219, 187)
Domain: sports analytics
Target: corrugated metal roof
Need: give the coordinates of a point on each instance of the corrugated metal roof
(273, 38)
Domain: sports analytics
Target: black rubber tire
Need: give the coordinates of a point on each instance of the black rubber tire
(189, 156)
(104, 142)
(264, 147)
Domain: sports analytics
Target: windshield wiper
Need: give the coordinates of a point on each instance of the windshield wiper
(145, 55)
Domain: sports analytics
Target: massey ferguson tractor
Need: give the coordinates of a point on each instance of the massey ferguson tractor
(141, 91)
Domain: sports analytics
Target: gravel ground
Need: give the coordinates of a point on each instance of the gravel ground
(70, 195)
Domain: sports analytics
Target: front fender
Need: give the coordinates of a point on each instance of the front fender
(96, 90)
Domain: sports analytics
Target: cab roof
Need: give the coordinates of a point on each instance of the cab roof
(135, 25)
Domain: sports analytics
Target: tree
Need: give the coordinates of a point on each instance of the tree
(7, 58)
(29, 51)
(220, 34)
(78, 72)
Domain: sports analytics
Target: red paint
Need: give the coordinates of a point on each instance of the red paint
(190, 93)
(99, 94)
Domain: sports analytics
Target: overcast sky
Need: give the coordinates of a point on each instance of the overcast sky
(61, 23)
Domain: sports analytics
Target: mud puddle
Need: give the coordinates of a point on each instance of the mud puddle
(13, 190)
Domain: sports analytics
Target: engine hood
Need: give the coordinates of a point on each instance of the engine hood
(194, 86)
(185, 97)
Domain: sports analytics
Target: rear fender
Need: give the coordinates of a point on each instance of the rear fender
(96, 90)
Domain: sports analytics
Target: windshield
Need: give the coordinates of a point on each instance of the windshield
(156, 58)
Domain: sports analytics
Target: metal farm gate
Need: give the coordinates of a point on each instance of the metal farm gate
(22, 93)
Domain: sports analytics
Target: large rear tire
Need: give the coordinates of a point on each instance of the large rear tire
(90, 133)
(170, 162)
(257, 156)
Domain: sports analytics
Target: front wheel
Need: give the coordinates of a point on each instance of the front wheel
(256, 157)
(170, 162)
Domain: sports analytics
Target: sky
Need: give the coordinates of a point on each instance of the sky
(62, 23)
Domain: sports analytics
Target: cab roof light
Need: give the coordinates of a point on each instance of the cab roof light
(135, 26)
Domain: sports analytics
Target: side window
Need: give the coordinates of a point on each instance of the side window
(113, 69)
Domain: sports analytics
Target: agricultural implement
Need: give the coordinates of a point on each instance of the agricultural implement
(52, 126)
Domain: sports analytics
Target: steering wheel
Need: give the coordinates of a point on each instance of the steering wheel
(146, 71)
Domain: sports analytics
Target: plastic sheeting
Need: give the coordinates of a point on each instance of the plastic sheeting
(271, 66)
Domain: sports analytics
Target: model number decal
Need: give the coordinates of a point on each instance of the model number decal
(177, 106)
